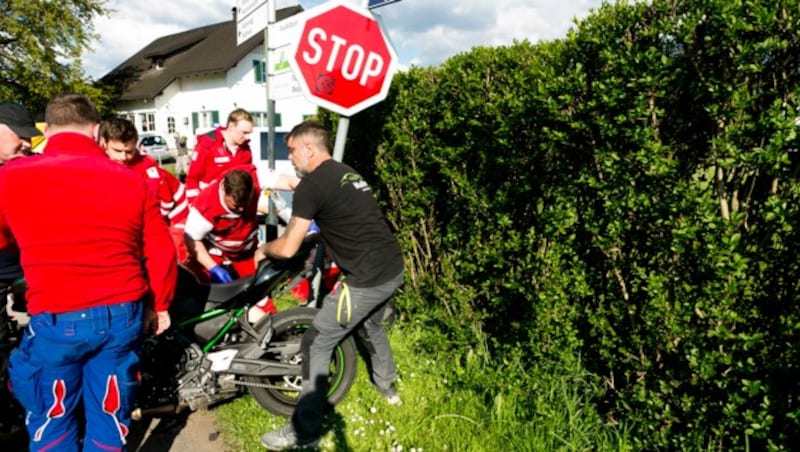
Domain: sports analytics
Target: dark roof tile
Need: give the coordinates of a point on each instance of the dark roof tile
(204, 50)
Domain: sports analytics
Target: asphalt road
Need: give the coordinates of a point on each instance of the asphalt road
(186, 432)
(195, 432)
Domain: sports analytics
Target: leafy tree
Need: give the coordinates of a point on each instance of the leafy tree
(41, 43)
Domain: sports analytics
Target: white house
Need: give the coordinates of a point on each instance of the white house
(188, 82)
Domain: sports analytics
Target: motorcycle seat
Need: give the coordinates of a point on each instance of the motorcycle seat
(220, 293)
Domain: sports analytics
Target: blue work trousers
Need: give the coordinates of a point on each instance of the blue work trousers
(87, 356)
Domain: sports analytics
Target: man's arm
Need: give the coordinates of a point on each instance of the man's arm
(197, 250)
(196, 169)
(278, 180)
(197, 227)
(287, 244)
(160, 261)
(175, 193)
(284, 181)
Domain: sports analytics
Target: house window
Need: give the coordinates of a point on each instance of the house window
(260, 71)
(205, 120)
(148, 121)
(260, 119)
(171, 124)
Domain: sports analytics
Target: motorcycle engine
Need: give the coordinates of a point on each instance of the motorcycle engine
(173, 370)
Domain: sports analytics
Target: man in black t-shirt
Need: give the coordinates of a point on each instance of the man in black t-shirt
(356, 234)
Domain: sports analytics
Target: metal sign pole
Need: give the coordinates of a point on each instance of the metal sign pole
(341, 137)
(344, 123)
(272, 217)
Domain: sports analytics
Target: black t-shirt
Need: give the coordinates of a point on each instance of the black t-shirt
(351, 224)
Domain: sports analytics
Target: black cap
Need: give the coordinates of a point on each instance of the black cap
(18, 119)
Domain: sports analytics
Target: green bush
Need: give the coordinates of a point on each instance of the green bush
(629, 195)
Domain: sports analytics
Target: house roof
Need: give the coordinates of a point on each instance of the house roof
(205, 50)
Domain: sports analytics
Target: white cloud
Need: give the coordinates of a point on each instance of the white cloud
(424, 32)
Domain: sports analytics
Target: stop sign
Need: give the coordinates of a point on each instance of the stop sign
(343, 60)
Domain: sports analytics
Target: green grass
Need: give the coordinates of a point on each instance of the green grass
(450, 404)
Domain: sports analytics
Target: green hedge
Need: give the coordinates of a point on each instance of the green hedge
(628, 195)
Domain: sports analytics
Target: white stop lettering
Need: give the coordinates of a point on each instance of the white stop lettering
(356, 63)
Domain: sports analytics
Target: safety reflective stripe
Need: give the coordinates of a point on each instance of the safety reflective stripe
(344, 299)
(166, 207)
(179, 209)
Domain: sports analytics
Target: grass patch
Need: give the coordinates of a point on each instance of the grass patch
(449, 403)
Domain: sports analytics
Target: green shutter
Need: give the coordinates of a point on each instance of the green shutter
(259, 71)
(277, 119)
(195, 121)
(215, 118)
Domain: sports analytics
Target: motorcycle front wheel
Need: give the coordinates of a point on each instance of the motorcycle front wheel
(281, 392)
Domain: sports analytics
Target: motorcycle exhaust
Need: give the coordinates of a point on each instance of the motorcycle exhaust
(170, 408)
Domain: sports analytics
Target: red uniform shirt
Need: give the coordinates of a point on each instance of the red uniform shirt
(165, 187)
(85, 225)
(224, 233)
(210, 159)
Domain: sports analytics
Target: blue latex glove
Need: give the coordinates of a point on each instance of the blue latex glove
(313, 229)
(220, 275)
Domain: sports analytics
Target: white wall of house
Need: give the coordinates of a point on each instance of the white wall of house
(203, 95)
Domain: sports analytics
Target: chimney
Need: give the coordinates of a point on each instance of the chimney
(233, 13)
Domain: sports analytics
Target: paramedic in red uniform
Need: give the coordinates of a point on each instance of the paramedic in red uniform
(119, 136)
(218, 150)
(86, 250)
(222, 228)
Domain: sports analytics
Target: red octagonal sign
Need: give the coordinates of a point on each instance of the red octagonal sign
(343, 60)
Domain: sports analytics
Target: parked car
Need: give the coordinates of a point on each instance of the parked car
(155, 146)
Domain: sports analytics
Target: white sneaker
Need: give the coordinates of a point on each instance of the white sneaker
(391, 396)
(286, 438)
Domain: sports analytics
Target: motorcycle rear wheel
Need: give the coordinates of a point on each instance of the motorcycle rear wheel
(290, 325)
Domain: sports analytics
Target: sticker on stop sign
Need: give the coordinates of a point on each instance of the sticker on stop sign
(343, 60)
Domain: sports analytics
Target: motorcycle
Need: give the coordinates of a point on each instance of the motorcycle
(215, 354)
(12, 422)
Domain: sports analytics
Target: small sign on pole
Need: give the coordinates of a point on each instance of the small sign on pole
(252, 17)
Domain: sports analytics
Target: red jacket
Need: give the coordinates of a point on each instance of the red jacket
(235, 236)
(165, 187)
(210, 159)
(86, 226)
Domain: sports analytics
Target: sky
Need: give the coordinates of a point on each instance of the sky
(423, 32)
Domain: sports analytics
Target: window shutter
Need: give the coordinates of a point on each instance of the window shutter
(258, 68)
